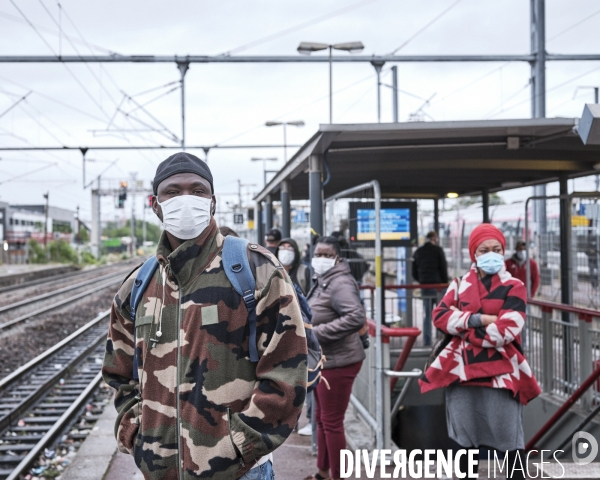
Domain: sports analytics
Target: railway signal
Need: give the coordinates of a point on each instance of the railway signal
(122, 195)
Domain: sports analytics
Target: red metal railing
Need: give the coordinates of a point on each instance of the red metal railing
(586, 315)
(437, 286)
(563, 409)
(410, 333)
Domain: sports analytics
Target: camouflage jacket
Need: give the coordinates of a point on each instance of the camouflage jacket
(201, 409)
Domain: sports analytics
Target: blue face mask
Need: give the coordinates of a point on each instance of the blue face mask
(490, 262)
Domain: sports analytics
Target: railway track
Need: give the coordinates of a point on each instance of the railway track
(40, 400)
(97, 284)
(58, 278)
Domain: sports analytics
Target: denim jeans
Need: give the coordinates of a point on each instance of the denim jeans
(262, 472)
(429, 299)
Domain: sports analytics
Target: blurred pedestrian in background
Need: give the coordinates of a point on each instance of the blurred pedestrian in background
(517, 267)
(358, 265)
(429, 266)
(272, 239)
(289, 255)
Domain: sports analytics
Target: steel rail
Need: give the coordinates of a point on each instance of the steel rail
(50, 279)
(27, 301)
(29, 366)
(56, 429)
(48, 383)
(23, 318)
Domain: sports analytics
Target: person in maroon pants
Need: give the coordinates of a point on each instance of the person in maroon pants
(338, 316)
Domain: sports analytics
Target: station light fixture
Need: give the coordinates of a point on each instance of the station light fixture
(306, 48)
(452, 195)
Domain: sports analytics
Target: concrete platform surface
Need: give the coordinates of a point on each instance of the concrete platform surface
(98, 459)
(97, 450)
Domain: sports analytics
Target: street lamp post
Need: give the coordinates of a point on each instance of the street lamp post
(264, 160)
(296, 123)
(306, 48)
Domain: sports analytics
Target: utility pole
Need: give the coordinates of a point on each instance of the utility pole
(144, 224)
(183, 68)
(378, 66)
(538, 101)
(78, 234)
(395, 93)
(46, 195)
(330, 85)
(133, 190)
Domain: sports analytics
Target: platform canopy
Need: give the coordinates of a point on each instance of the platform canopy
(432, 159)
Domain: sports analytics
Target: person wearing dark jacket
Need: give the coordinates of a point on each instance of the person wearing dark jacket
(429, 266)
(517, 267)
(338, 316)
(272, 239)
(358, 266)
(289, 255)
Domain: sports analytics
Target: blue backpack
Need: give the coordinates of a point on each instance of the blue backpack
(238, 271)
(315, 358)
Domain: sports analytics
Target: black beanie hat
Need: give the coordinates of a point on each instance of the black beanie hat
(182, 162)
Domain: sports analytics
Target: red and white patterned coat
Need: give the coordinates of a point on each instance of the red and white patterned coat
(490, 356)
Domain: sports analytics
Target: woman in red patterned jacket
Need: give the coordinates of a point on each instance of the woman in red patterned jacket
(483, 368)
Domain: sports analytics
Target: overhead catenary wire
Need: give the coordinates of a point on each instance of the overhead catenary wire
(556, 87)
(102, 86)
(88, 93)
(43, 28)
(114, 83)
(298, 27)
(22, 99)
(576, 24)
(59, 102)
(77, 51)
(317, 100)
(425, 27)
(27, 173)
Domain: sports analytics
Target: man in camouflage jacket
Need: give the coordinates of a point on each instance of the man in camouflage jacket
(201, 408)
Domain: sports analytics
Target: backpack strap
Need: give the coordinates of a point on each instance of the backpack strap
(237, 269)
(142, 279)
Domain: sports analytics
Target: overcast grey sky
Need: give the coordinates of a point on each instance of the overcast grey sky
(229, 103)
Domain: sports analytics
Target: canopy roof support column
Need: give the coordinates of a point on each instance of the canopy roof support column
(260, 230)
(268, 213)
(315, 191)
(436, 216)
(485, 205)
(566, 285)
(286, 211)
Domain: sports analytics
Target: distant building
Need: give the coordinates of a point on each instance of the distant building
(19, 223)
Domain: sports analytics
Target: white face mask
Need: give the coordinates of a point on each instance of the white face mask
(186, 216)
(286, 257)
(522, 255)
(321, 264)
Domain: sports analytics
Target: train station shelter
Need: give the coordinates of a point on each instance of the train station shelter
(430, 160)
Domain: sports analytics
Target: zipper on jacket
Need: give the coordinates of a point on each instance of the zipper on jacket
(231, 436)
(179, 451)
